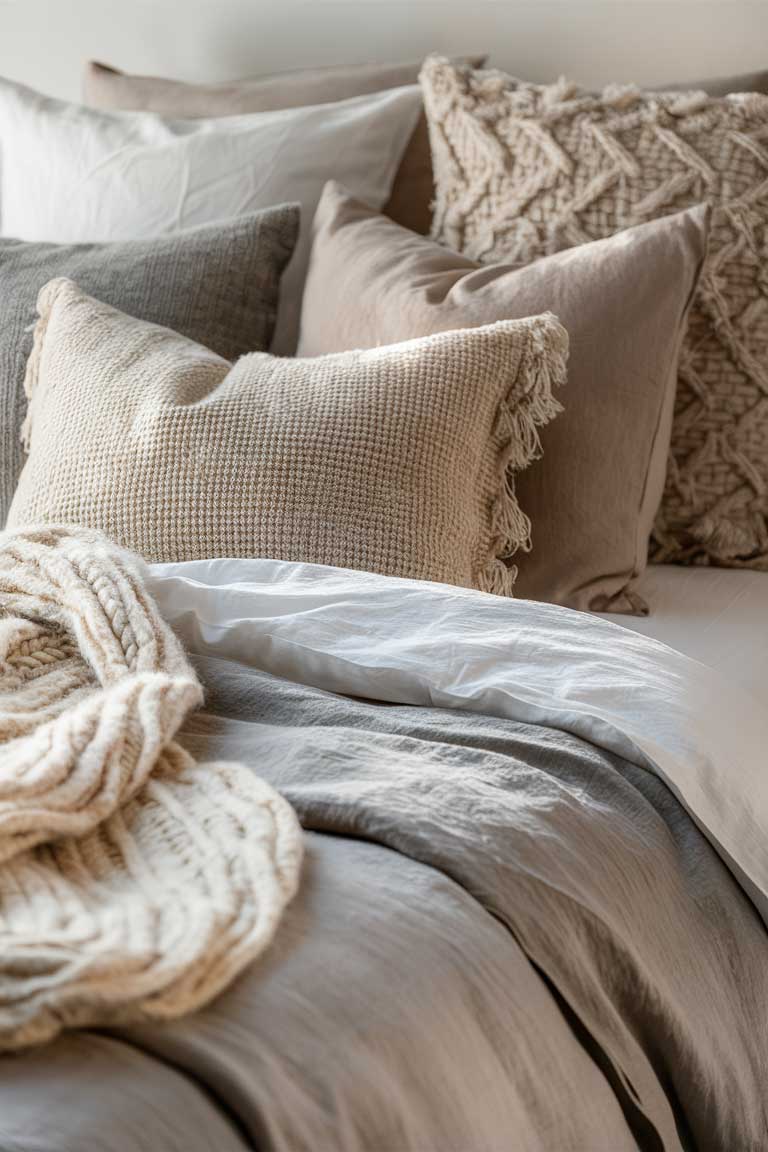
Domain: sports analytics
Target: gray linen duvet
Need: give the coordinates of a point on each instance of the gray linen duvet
(505, 939)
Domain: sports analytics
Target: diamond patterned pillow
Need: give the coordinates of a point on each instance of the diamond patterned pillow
(523, 170)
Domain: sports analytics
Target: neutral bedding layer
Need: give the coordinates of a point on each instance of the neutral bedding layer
(716, 615)
(493, 933)
(411, 641)
(506, 922)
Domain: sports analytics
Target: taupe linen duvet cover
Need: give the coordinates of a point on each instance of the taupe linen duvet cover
(506, 938)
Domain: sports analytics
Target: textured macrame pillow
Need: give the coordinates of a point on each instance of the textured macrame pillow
(398, 460)
(523, 170)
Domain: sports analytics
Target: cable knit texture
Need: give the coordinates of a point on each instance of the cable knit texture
(135, 884)
(399, 460)
(524, 170)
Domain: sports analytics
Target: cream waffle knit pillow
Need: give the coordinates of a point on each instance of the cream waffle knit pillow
(398, 460)
(524, 170)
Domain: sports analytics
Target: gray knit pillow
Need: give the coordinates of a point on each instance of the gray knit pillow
(217, 284)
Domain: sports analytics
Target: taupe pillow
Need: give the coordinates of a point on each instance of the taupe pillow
(593, 496)
(410, 201)
(217, 284)
(110, 89)
(398, 460)
(523, 170)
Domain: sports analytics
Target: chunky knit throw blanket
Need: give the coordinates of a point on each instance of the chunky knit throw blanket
(135, 884)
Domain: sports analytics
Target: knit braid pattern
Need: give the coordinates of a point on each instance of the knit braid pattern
(135, 883)
(523, 170)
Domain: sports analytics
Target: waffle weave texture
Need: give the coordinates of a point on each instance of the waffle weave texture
(524, 170)
(135, 884)
(398, 460)
(218, 284)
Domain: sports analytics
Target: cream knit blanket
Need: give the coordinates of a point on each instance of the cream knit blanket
(135, 884)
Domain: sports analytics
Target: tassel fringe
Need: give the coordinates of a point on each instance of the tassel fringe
(519, 418)
(45, 301)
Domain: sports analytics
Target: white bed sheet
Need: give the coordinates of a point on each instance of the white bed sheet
(718, 616)
(413, 642)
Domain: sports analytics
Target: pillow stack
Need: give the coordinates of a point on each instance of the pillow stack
(432, 423)
(138, 176)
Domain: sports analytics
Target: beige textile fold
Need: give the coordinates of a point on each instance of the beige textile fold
(134, 882)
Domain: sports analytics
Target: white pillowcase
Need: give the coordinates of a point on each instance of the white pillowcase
(71, 174)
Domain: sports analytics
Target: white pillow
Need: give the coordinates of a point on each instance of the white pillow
(71, 174)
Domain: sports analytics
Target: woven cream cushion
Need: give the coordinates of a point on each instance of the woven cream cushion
(523, 170)
(398, 460)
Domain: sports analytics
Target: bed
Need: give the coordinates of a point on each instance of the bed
(715, 615)
(532, 912)
(532, 908)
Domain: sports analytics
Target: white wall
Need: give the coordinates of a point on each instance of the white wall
(44, 42)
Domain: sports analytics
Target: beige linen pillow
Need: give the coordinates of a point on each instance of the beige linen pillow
(593, 495)
(523, 170)
(399, 460)
(410, 201)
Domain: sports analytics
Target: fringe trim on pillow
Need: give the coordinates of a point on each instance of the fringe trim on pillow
(528, 406)
(45, 301)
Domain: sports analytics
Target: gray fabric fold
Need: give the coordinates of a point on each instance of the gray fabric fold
(505, 938)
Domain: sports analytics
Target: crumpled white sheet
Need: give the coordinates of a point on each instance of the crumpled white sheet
(418, 643)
